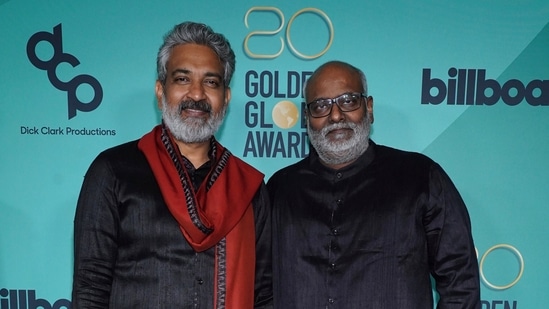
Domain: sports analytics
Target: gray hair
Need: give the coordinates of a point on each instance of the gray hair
(196, 33)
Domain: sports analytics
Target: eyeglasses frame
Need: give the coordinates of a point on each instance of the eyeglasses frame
(333, 101)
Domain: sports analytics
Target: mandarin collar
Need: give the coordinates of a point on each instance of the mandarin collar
(350, 170)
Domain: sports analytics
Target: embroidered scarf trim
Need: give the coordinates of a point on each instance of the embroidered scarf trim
(218, 214)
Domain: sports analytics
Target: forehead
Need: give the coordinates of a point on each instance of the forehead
(331, 81)
(194, 58)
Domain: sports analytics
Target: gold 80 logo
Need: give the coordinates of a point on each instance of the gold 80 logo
(291, 46)
(509, 248)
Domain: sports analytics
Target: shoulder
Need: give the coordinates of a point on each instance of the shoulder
(398, 157)
(394, 153)
(118, 157)
(291, 171)
(403, 166)
(118, 151)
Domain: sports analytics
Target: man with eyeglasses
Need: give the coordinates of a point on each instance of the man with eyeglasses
(360, 225)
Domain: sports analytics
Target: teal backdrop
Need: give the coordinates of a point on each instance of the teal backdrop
(465, 82)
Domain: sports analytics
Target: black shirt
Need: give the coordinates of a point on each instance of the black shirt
(370, 234)
(129, 250)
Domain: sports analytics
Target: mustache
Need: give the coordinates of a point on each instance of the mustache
(335, 126)
(201, 105)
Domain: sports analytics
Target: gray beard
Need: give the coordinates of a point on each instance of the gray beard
(191, 130)
(344, 150)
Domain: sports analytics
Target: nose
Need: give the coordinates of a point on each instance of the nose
(196, 91)
(336, 115)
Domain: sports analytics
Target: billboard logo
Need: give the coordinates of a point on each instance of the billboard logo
(50, 66)
(26, 299)
(470, 87)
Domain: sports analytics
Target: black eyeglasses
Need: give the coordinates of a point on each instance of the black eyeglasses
(346, 102)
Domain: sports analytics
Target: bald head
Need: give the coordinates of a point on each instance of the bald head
(328, 73)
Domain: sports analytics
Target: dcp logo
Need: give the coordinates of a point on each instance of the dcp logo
(50, 66)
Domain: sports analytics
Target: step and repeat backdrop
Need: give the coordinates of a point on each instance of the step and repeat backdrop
(465, 82)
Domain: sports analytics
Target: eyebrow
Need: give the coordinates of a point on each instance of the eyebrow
(187, 71)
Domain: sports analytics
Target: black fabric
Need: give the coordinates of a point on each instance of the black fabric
(197, 175)
(129, 250)
(370, 234)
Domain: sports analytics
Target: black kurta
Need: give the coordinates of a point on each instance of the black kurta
(369, 235)
(129, 250)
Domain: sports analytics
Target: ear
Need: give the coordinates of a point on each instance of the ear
(370, 107)
(159, 91)
(227, 95)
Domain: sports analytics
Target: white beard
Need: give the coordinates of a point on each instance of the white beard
(340, 151)
(191, 129)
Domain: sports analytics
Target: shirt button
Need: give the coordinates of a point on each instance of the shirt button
(331, 300)
(339, 175)
(200, 281)
(333, 266)
(339, 202)
(335, 232)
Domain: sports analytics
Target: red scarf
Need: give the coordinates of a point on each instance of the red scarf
(218, 214)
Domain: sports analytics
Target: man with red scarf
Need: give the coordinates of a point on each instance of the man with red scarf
(173, 220)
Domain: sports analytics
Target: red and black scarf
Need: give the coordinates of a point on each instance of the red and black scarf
(218, 214)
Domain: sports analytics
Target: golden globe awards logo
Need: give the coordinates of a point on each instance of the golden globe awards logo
(285, 114)
(269, 32)
(277, 128)
(274, 113)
